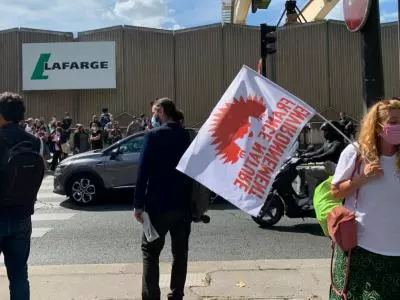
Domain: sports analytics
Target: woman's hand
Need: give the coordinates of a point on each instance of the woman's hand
(373, 171)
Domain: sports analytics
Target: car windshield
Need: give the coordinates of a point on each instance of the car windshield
(117, 144)
(134, 143)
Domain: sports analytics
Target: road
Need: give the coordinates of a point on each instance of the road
(64, 233)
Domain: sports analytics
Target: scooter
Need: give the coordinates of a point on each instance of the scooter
(284, 199)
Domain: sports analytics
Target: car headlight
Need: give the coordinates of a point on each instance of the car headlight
(62, 166)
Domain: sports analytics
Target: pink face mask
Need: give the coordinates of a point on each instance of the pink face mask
(391, 134)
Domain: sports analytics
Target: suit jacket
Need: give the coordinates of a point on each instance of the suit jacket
(160, 187)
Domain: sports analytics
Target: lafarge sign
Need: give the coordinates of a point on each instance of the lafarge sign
(68, 66)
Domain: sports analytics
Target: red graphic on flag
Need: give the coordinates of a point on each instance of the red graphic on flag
(231, 123)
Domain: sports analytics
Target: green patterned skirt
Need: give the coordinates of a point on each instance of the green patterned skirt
(372, 276)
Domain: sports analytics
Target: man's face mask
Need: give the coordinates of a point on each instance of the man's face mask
(155, 121)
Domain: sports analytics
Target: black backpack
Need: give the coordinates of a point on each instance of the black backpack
(104, 120)
(23, 170)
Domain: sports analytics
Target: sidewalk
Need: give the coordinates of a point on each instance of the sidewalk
(262, 279)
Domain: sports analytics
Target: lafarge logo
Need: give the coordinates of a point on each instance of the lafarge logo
(43, 65)
(68, 66)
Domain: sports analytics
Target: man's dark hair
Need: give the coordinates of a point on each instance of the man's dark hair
(179, 116)
(168, 106)
(12, 107)
(105, 110)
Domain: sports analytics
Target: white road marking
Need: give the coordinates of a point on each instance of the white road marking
(49, 195)
(40, 231)
(52, 217)
(46, 191)
(44, 204)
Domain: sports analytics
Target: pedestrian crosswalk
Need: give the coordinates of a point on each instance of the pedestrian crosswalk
(48, 211)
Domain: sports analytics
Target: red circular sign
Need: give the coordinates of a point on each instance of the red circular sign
(356, 13)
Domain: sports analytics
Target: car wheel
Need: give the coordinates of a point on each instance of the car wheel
(84, 189)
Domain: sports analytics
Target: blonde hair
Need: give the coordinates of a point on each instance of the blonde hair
(371, 127)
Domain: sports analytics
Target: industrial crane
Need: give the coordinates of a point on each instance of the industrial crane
(237, 10)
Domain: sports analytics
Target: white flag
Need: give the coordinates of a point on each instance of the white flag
(244, 142)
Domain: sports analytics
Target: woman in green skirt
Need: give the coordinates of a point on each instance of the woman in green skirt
(375, 263)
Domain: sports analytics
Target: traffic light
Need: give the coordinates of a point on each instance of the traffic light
(268, 39)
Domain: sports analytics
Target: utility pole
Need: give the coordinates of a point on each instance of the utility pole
(363, 16)
(374, 89)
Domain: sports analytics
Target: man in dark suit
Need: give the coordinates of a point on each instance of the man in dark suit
(164, 193)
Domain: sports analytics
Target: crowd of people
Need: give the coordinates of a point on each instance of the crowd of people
(61, 137)
(56, 135)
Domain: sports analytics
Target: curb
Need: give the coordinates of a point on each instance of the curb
(165, 268)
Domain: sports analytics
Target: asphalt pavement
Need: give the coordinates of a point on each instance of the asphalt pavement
(65, 233)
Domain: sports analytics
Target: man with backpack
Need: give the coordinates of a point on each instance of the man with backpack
(105, 117)
(21, 174)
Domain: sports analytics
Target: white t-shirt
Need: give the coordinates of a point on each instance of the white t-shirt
(378, 206)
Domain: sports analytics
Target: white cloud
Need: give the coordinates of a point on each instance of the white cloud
(80, 15)
(389, 17)
(146, 13)
(177, 27)
(337, 12)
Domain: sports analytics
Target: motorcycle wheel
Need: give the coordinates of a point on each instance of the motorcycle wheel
(271, 214)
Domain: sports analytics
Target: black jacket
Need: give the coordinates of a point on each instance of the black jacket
(160, 187)
(14, 134)
(330, 151)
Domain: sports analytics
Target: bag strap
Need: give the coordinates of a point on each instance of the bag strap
(357, 168)
(343, 293)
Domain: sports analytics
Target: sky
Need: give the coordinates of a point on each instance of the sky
(81, 15)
